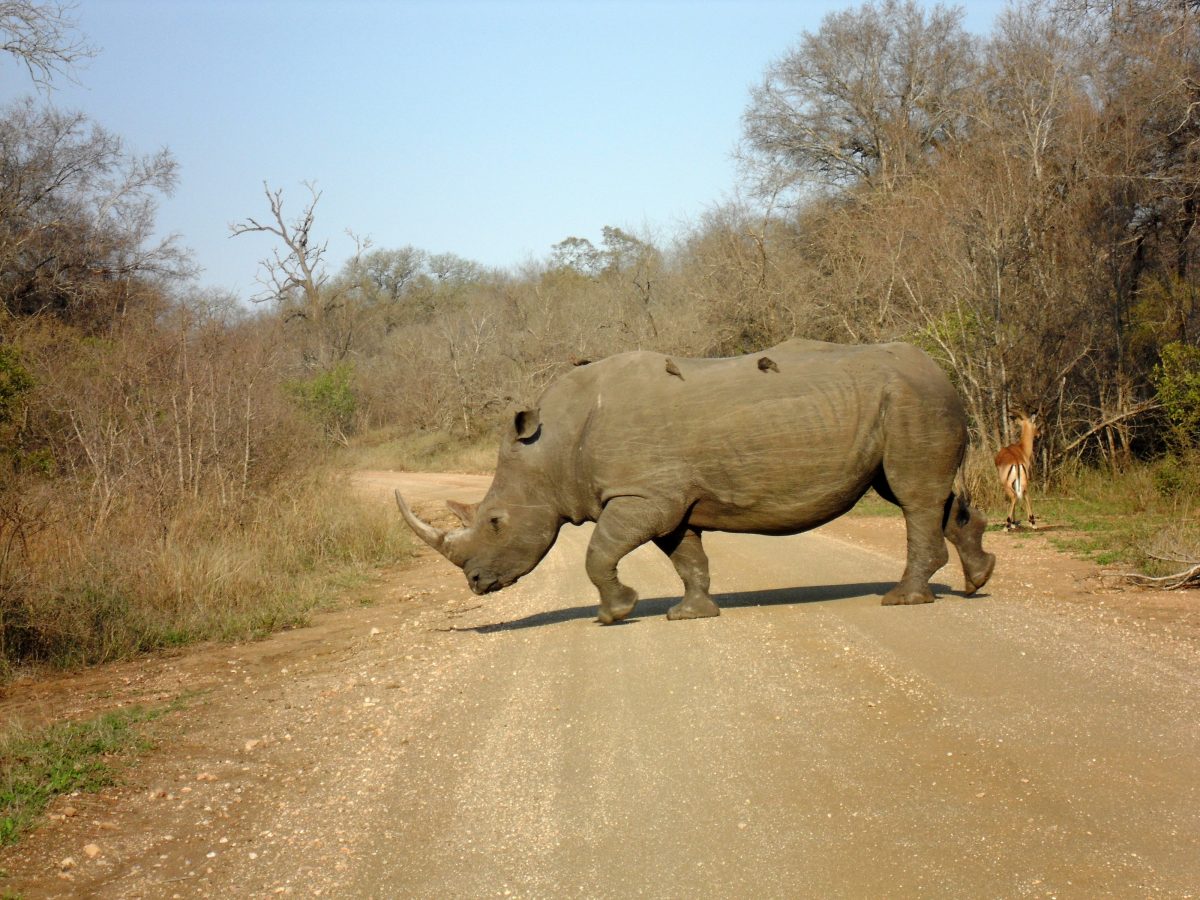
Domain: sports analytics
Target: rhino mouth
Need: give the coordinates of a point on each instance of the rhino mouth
(483, 583)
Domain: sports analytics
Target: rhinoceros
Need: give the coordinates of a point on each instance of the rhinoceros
(654, 448)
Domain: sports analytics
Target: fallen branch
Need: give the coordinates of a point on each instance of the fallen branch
(1185, 579)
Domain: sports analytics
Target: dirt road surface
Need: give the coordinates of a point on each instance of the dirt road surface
(1038, 740)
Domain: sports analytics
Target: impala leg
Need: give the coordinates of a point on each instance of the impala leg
(1009, 521)
(625, 524)
(926, 554)
(691, 563)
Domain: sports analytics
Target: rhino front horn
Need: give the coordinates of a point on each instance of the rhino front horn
(426, 532)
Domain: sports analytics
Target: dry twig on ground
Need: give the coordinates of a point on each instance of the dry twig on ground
(1187, 578)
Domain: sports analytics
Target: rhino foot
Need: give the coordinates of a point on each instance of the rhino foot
(979, 576)
(615, 611)
(902, 596)
(694, 608)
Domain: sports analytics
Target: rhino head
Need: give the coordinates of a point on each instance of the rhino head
(507, 534)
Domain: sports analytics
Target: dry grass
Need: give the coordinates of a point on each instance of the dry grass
(424, 451)
(80, 595)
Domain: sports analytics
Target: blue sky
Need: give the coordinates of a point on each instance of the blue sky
(488, 128)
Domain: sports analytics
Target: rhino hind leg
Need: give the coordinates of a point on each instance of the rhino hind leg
(926, 554)
(964, 527)
(686, 552)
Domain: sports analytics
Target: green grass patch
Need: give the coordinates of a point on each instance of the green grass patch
(1123, 519)
(37, 766)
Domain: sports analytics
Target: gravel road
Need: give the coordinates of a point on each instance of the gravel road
(807, 743)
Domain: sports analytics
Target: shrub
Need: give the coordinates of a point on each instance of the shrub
(328, 399)
(1178, 475)
(1177, 381)
(15, 381)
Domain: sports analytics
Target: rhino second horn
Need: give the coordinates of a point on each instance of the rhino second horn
(426, 532)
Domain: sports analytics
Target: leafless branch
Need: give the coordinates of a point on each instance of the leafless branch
(1132, 412)
(301, 267)
(42, 38)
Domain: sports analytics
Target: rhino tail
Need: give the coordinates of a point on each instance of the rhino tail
(958, 504)
(962, 508)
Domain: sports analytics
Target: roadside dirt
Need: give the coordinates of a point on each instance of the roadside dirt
(1037, 740)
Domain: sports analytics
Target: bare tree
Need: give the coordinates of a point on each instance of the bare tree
(1028, 84)
(41, 36)
(293, 276)
(77, 217)
(329, 316)
(864, 99)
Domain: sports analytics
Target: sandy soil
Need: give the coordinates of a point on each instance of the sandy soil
(1036, 740)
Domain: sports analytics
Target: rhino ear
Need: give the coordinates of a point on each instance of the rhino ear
(528, 424)
(464, 511)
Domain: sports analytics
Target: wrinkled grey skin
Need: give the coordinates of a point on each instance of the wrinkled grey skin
(662, 450)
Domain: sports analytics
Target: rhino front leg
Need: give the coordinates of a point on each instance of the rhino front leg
(686, 553)
(625, 524)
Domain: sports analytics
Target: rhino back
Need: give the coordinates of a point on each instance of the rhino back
(738, 446)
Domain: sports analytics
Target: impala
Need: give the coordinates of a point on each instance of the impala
(1012, 464)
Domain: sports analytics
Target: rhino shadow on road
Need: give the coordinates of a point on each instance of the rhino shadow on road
(657, 606)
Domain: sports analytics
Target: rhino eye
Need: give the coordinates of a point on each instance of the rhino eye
(495, 522)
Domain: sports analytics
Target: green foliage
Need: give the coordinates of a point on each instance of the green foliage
(621, 253)
(1177, 381)
(956, 330)
(1178, 475)
(73, 756)
(329, 399)
(37, 462)
(1165, 307)
(576, 254)
(15, 382)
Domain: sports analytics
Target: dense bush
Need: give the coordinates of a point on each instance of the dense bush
(1177, 380)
